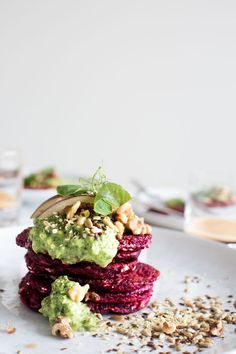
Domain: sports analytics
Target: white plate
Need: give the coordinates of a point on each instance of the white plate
(174, 253)
(173, 221)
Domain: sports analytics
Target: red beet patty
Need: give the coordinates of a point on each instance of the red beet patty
(124, 286)
(143, 274)
(42, 264)
(33, 289)
(120, 308)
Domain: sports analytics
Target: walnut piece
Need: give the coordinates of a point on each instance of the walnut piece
(77, 292)
(127, 217)
(62, 328)
(92, 296)
(168, 327)
(218, 329)
(10, 330)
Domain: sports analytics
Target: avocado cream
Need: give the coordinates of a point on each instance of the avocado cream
(63, 302)
(71, 243)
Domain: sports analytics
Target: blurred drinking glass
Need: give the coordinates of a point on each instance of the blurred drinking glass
(211, 208)
(10, 185)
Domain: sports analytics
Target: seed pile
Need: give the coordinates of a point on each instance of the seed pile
(192, 322)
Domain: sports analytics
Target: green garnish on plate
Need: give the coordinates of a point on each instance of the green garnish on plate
(177, 204)
(43, 179)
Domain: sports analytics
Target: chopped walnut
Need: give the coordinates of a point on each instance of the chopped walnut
(127, 217)
(125, 209)
(146, 229)
(135, 224)
(218, 329)
(92, 296)
(77, 292)
(10, 330)
(62, 328)
(168, 327)
(123, 218)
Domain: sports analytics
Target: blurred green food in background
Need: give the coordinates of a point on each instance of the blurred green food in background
(176, 204)
(44, 179)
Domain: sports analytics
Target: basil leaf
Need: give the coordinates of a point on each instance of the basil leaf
(111, 194)
(102, 207)
(108, 196)
(71, 189)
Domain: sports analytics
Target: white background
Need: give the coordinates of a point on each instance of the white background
(147, 87)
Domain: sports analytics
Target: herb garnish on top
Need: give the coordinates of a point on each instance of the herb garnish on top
(108, 195)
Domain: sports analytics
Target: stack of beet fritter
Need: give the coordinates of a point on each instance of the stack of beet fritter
(124, 286)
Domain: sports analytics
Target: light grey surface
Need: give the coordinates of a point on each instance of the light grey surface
(147, 86)
(174, 253)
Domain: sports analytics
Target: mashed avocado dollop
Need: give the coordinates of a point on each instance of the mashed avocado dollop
(59, 303)
(65, 240)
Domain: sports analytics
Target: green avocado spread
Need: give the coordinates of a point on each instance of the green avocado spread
(71, 243)
(59, 303)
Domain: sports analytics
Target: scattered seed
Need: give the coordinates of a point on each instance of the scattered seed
(117, 318)
(178, 347)
(31, 346)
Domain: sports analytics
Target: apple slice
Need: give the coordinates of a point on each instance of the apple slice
(60, 205)
(45, 205)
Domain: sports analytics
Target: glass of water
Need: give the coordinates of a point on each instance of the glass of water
(10, 185)
(211, 207)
